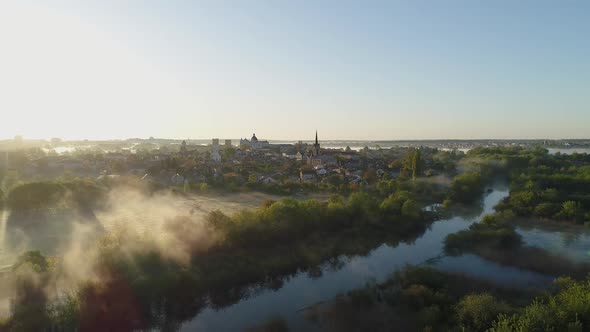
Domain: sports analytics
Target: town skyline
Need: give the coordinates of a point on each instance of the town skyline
(296, 139)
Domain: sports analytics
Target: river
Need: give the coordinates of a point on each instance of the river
(303, 291)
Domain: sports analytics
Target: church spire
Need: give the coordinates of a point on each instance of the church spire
(316, 145)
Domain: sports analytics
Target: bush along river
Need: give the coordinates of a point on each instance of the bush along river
(306, 289)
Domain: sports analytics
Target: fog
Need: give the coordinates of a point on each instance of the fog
(131, 220)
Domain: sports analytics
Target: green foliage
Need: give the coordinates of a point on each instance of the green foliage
(290, 220)
(417, 164)
(29, 312)
(411, 210)
(572, 210)
(32, 259)
(466, 188)
(422, 299)
(546, 210)
(494, 232)
(546, 186)
(267, 203)
(43, 195)
(476, 312)
(568, 310)
(65, 312)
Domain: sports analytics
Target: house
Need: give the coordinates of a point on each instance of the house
(322, 160)
(307, 176)
(300, 156)
(267, 180)
(289, 155)
(322, 171)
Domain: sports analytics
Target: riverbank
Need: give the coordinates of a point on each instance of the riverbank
(418, 299)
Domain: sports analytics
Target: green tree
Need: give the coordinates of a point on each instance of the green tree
(572, 210)
(546, 210)
(477, 312)
(411, 209)
(416, 164)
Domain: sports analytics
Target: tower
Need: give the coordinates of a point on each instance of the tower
(215, 156)
(316, 146)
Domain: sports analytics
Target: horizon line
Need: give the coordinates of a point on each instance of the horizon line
(298, 139)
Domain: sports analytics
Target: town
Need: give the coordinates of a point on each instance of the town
(253, 163)
(247, 164)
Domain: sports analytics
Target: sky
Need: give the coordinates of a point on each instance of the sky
(366, 70)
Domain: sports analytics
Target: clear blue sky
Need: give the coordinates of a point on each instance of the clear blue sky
(282, 69)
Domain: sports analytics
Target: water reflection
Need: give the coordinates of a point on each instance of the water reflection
(564, 240)
(301, 290)
(568, 150)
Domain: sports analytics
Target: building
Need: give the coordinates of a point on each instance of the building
(300, 156)
(307, 176)
(215, 156)
(254, 143)
(228, 143)
(316, 158)
(315, 151)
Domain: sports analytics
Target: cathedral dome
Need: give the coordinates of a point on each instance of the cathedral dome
(254, 139)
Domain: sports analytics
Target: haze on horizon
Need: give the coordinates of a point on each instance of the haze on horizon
(353, 70)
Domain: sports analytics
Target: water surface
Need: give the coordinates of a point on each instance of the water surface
(302, 291)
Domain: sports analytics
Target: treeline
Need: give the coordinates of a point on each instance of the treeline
(290, 219)
(544, 185)
(54, 194)
(86, 194)
(566, 310)
(553, 189)
(481, 167)
(138, 286)
(541, 185)
(420, 299)
(425, 299)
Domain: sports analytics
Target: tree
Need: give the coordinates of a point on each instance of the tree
(546, 210)
(30, 302)
(466, 188)
(252, 179)
(572, 210)
(477, 312)
(410, 209)
(416, 164)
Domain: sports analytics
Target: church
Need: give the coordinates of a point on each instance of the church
(254, 143)
(316, 158)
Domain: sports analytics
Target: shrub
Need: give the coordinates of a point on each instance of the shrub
(476, 312)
